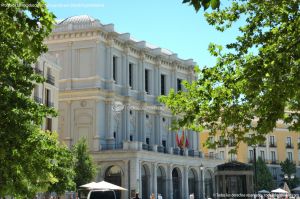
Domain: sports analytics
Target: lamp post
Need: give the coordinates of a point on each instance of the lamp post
(254, 166)
(288, 177)
(202, 180)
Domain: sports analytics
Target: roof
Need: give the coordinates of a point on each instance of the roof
(234, 166)
(77, 20)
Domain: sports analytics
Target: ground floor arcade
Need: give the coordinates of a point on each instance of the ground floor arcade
(172, 176)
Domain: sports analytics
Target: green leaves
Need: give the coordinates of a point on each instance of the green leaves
(85, 169)
(215, 4)
(255, 78)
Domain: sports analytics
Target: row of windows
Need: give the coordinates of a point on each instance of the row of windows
(273, 156)
(163, 78)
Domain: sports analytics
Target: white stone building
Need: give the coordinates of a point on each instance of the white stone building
(108, 92)
(47, 92)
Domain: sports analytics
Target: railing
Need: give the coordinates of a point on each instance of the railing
(274, 162)
(49, 104)
(105, 147)
(38, 99)
(134, 145)
(50, 79)
(262, 145)
(38, 71)
(289, 146)
(272, 144)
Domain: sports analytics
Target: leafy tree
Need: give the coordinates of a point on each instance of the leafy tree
(26, 152)
(264, 177)
(254, 82)
(214, 4)
(85, 169)
(289, 168)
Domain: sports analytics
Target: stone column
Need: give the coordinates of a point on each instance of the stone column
(109, 122)
(169, 182)
(97, 63)
(141, 76)
(69, 65)
(154, 190)
(141, 125)
(125, 121)
(109, 64)
(96, 142)
(185, 189)
(157, 129)
(156, 90)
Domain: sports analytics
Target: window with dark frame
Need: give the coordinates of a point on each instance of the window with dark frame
(48, 124)
(47, 97)
(162, 84)
(147, 80)
(131, 75)
(179, 85)
(115, 68)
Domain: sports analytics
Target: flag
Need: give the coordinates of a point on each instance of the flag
(181, 139)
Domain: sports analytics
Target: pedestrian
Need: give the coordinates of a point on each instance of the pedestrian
(152, 196)
(136, 196)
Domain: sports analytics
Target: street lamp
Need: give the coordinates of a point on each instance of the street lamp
(202, 179)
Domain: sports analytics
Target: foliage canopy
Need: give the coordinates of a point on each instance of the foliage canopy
(30, 158)
(254, 82)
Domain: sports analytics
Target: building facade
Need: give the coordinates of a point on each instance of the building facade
(47, 92)
(280, 145)
(108, 91)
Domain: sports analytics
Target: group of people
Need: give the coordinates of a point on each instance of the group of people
(152, 196)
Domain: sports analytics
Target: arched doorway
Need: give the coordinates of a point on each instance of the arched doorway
(114, 175)
(208, 183)
(161, 181)
(176, 179)
(145, 181)
(192, 182)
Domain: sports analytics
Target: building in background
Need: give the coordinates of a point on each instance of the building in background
(280, 145)
(47, 92)
(108, 91)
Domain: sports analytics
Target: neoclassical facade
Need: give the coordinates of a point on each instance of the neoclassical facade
(47, 92)
(108, 91)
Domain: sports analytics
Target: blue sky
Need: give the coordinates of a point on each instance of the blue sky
(165, 23)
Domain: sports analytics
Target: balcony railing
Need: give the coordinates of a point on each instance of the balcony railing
(273, 162)
(262, 145)
(38, 71)
(38, 99)
(50, 79)
(49, 104)
(289, 146)
(105, 147)
(272, 144)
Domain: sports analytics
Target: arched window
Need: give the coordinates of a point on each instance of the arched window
(161, 182)
(114, 175)
(192, 182)
(176, 183)
(145, 181)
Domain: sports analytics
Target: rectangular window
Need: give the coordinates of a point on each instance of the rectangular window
(115, 59)
(179, 85)
(162, 84)
(211, 154)
(272, 141)
(131, 75)
(274, 173)
(147, 81)
(222, 156)
(273, 156)
(288, 142)
(262, 155)
(290, 156)
(164, 143)
(251, 155)
(48, 124)
(48, 98)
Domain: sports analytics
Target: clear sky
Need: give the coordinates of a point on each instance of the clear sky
(165, 23)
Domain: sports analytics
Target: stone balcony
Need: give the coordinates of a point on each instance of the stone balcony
(140, 146)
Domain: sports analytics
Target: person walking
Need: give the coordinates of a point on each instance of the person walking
(136, 196)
